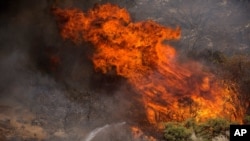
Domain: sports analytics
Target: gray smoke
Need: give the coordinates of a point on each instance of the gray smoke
(38, 102)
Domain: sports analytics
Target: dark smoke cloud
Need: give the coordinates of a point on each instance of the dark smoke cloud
(37, 102)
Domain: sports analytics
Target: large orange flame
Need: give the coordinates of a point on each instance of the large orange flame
(170, 90)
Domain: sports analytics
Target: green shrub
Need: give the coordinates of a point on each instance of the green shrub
(176, 132)
(247, 119)
(212, 128)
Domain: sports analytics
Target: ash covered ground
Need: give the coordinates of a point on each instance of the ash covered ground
(49, 89)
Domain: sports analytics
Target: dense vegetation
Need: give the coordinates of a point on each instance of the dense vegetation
(235, 69)
(204, 131)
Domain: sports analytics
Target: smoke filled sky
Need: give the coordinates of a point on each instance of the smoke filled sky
(48, 87)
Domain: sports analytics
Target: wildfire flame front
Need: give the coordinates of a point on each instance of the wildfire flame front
(135, 50)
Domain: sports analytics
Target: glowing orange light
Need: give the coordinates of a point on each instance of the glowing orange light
(171, 90)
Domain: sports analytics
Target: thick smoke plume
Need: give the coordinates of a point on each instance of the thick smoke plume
(49, 90)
